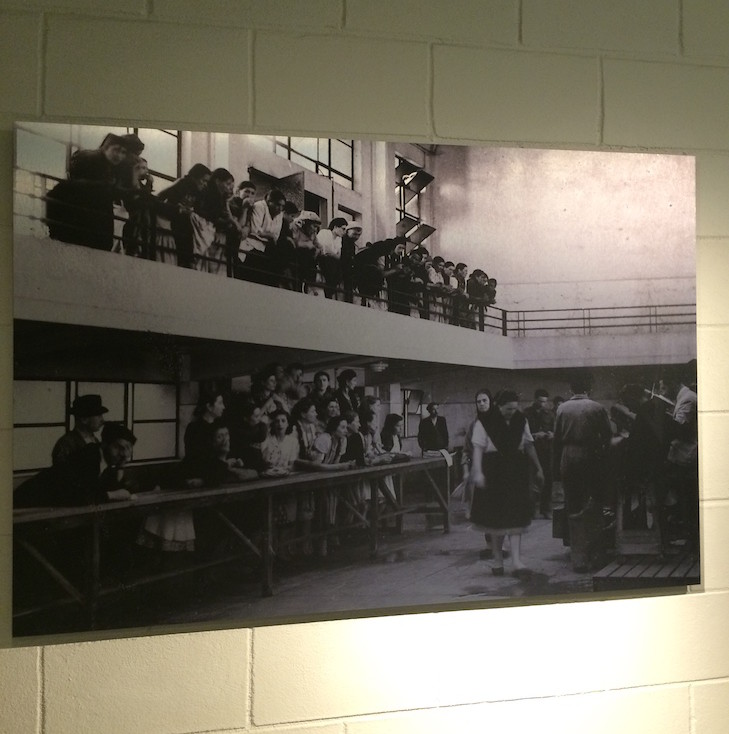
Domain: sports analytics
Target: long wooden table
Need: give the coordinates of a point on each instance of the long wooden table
(33, 523)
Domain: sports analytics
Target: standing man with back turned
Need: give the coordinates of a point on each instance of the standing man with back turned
(582, 434)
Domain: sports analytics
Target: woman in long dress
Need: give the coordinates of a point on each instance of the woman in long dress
(502, 460)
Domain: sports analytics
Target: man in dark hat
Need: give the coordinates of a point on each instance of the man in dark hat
(433, 430)
(88, 413)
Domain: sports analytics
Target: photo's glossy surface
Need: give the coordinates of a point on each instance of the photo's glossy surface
(181, 297)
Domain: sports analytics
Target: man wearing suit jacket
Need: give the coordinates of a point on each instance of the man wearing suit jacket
(433, 430)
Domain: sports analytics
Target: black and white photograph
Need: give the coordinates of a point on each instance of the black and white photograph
(265, 378)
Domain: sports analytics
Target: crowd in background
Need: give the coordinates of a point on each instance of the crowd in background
(203, 221)
(278, 426)
(637, 462)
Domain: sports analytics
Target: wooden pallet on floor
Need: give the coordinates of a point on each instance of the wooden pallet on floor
(647, 572)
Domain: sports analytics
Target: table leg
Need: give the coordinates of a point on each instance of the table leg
(267, 565)
(375, 518)
(94, 575)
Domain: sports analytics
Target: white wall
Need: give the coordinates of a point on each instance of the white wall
(600, 229)
(643, 77)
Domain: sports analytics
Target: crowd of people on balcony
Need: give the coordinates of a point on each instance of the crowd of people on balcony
(203, 221)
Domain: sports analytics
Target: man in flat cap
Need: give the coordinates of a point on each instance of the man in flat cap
(88, 413)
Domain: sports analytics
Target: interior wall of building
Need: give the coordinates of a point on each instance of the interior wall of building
(650, 76)
(601, 230)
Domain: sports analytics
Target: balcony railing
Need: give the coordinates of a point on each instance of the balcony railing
(156, 242)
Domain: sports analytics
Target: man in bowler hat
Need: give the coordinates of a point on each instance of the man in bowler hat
(88, 413)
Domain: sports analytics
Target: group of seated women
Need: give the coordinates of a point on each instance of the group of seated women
(281, 426)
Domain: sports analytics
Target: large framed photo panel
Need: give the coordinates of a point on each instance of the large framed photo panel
(271, 378)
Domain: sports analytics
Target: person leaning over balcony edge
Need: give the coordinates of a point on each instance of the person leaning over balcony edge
(80, 210)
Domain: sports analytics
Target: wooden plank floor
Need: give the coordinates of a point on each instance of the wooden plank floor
(640, 572)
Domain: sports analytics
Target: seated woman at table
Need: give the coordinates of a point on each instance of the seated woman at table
(326, 455)
(198, 434)
(375, 453)
(248, 432)
(220, 467)
(280, 451)
(326, 410)
(305, 422)
(263, 390)
(305, 425)
(174, 530)
(391, 433)
(359, 494)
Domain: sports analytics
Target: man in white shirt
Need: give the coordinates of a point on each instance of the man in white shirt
(330, 244)
(255, 255)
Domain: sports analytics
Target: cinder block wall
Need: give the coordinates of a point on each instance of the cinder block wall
(618, 74)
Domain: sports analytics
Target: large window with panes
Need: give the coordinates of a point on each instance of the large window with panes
(42, 415)
(330, 157)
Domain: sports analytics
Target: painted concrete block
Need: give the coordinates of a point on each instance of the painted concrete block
(102, 7)
(488, 21)
(712, 276)
(165, 684)
(713, 366)
(712, 183)
(358, 74)
(705, 28)
(6, 454)
(714, 519)
(710, 709)
(338, 728)
(6, 271)
(137, 71)
(19, 61)
(664, 709)
(427, 660)
(20, 710)
(665, 104)
(319, 14)
(713, 456)
(647, 27)
(6, 581)
(510, 96)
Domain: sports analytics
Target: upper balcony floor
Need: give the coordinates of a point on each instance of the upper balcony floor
(71, 284)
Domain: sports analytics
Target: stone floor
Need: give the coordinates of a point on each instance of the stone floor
(421, 567)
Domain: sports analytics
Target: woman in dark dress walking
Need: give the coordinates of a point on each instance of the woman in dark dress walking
(503, 458)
